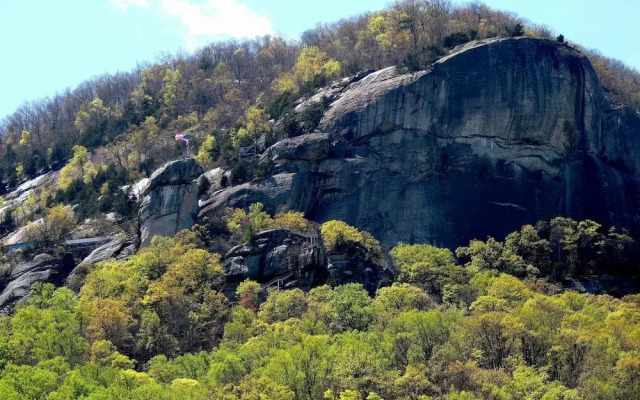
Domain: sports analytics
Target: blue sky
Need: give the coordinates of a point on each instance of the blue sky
(50, 45)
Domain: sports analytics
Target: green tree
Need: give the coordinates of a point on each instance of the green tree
(25, 138)
(398, 298)
(78, 168)
(205, 153)
(282, 305)
(56, 224)
(256, 124)
(47, 328)
(27, 382)
(352, 308)
(304, 368)
(170, 89)
(312, 63)
(248, 293)
(91, 115)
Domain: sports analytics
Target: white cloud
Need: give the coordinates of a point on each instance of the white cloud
(215, 18)
(124, 4)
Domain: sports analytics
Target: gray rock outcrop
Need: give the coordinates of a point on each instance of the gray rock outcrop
(311, 147)
(278, 253)
(43, 268)
(288, 259)
(117, 248)
(501, 133)
(170, 201)
(348, 263)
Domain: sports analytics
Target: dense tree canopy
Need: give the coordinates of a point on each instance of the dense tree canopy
(488, 321)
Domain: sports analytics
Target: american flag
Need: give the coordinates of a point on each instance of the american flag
(184, 138)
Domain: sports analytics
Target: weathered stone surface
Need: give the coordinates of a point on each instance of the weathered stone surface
(348, 263)
(171, 200)
(502, 133)
(311, 147)
(278, 253)
(281, 192)
(43, 268)
(174, 173)
(604, 284)
(293, 260)
(215, 178)
(107, 251)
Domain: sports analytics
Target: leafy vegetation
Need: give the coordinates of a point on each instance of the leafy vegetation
(246, 225)
(483, 322)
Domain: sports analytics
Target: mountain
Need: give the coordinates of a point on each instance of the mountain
(423, 203)
(498, 134)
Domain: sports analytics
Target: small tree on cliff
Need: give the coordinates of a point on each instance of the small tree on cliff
(249, 294)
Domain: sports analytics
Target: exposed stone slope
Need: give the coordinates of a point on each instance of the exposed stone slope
(43, 268)
(500, 133)
(170, 201)
(289, 259)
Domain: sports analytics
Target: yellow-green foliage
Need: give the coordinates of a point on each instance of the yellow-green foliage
(313, 62)
(25, 138)
(147, 131)
(78, 168)
(285, 83)
(20, 171)
(256, 124)
(90, 114)
(55, 225)
(248, 293)
(466, 332)
(239, 222)
(291, 220)
(204, 156)
(170, 82)
(335, 232)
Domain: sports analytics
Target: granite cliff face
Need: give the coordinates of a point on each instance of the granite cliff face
(43, 268)
(498, 134)
(170, 201)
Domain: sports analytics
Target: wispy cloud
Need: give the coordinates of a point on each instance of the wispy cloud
(124, 4)
(215, 18)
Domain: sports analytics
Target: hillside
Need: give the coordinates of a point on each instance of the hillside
(427, 202)
(520, 126)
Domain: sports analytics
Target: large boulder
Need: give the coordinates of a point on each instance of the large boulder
(349, 263)
(178, 172)
(43, 268)
(311, 147)
(501, 133)
(116, 248)
(278, 253)
(171, 200)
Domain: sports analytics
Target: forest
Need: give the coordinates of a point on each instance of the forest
(492, 320)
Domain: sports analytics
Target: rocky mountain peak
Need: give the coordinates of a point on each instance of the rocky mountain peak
(515, 127)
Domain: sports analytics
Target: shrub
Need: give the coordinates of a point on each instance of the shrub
(291, 220)
(337, 232)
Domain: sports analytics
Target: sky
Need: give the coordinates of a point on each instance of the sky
(47, 46)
